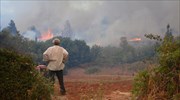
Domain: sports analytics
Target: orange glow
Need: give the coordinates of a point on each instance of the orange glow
(46, 35)
(135, 39)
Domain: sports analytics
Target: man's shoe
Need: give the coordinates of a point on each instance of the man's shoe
(63, 92)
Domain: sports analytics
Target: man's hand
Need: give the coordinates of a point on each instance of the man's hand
(45, 57)
(65, 58)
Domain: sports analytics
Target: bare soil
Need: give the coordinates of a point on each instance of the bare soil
(80, 86)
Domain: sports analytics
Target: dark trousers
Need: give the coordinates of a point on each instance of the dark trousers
(59, 75)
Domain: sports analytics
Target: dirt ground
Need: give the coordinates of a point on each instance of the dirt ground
(80, 86)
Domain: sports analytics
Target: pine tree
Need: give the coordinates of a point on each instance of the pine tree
(38, 34)
(67, 32)
(123, 43)
(12, 28)
(168, 34)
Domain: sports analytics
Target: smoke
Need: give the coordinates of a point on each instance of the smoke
(30, 35)
(96, 22)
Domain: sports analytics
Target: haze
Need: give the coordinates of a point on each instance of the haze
(96, 22)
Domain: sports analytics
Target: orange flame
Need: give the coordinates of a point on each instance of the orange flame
(135, 39)
(46, 35)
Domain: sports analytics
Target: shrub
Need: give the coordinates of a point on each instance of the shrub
(141, 83)
(19, 79)
(163, 81)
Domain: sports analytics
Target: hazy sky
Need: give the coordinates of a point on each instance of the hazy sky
(97, 22)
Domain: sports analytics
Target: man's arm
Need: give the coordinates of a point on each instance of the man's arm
(65, 55)
(46, 55)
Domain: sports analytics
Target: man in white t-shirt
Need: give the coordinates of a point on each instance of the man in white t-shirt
(56, 56)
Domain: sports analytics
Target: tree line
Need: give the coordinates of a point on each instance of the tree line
(79, 51)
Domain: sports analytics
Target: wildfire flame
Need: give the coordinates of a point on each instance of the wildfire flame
(46, 35)
(135, 39)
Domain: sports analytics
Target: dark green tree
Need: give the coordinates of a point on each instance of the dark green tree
(168, 34)
(95, 52)
(11, 28)
(124, 43)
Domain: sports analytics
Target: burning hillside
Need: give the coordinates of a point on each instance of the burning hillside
(135, 39)
(46, 35)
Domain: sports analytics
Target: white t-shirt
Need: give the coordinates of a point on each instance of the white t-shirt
(54, 55)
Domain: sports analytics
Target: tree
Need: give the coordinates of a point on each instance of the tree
(67, 32)
(38, 34)
(12, 28)
(123, 43)
(95, 52)
(168, 34)
(79, 53)
(128, 51)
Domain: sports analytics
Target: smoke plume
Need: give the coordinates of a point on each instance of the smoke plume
(96, 22)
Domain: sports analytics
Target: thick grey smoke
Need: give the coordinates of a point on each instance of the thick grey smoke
(96, 22)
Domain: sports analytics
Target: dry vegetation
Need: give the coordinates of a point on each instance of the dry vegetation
(162, 81)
